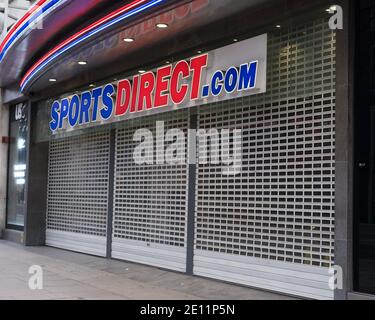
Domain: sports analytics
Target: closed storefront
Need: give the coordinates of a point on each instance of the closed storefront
(264, 219)
(212, 138)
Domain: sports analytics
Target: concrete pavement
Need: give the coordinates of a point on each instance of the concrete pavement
(69, 275)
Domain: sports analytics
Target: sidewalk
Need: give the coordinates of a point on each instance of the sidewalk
(68, 275)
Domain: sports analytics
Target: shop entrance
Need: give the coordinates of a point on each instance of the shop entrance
(269, 224)
(77, 205)
(101, 202)
(364, 250)
(150, 199)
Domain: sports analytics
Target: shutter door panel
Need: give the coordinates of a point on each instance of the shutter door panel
(77, 202)
(272, 225)
(150, 205)
(269, 275)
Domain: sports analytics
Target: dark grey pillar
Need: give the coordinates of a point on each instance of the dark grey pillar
(111, 190)
(192, 157)
(4, 132)
(35, 220)
(344, 150)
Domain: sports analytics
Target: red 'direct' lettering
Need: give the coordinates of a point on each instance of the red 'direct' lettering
(134, 94)
(147, 84)
(196, 65)
(162, 85)
(123, 97)
(178, 94)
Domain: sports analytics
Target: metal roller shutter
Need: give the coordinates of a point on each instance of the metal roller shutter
(272, 225)
(150, 205)
(77, 202)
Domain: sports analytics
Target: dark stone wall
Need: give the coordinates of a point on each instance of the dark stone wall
(344, 150)
(35, 222)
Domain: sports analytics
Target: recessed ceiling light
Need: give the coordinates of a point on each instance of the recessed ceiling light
(162, 25)
(199, 51)
(332, 9)
(92, 85)
(129, 40)
(52, 80)
(82, 63)
(141, 71)
(235, 40)
(278, 26)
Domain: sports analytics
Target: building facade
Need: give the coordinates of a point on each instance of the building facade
(223, 139)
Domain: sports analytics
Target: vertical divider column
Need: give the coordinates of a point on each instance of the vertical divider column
(192, 173)
(111, 189)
